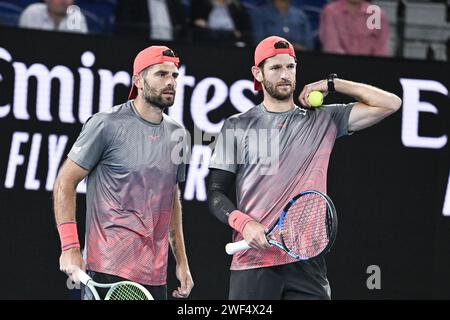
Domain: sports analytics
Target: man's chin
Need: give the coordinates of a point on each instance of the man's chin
(283, 95)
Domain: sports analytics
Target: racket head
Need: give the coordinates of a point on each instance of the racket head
(128, 290)
(308, 225)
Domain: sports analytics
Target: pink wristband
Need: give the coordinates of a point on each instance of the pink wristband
(237, 220)
(68, 235)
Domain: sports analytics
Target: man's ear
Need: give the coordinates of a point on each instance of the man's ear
(137, 81)
(257, 73)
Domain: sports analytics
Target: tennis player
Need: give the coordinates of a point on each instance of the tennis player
(133, 199)
(302, 145)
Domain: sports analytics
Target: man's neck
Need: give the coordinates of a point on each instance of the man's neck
(148, 112)
(353, 7)
(55, 18)
(274, 105)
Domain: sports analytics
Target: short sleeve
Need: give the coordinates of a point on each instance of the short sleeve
(340, 114)
(224, 154)
(90, 144)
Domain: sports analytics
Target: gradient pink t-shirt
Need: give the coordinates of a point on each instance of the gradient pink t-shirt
(130, 191)
(276, 156)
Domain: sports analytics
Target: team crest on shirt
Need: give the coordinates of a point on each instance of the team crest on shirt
(76, 149)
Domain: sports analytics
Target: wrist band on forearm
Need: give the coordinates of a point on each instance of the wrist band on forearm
(68, 235)
(237, 220)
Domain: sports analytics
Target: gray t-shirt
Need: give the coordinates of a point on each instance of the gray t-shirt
(134, 169)
(276, 156)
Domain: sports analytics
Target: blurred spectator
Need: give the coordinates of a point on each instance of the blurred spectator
(57, 15)
(219, 20)
(344, 29)
(154, 19)
(279, 18)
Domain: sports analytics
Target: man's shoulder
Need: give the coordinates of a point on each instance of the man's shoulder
(243, 116)
(172, 123)
(112, 114)
(36, 8)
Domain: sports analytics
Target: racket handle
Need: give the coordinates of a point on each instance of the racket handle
(83, 277)
(233, 247)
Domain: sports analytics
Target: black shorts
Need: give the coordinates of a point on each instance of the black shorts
(158, 292)
(303, 280)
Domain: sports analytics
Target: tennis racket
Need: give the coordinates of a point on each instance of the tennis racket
(306, 227)
(123, 290)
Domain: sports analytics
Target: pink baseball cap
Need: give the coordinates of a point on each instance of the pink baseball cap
(270, 47)
(148, 57)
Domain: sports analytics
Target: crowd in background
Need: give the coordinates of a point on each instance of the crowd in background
(338, 26)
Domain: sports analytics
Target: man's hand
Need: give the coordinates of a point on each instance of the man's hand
(70, 261)
(320, 85)
(186, 283)
(255, 235)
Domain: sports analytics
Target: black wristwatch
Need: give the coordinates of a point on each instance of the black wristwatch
(330, 82)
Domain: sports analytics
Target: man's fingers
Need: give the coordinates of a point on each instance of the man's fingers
(184, 287)
(178, 294)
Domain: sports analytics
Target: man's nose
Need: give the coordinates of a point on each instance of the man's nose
(284, 73)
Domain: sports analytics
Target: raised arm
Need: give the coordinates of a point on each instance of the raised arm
(176, 240)
(373, 103)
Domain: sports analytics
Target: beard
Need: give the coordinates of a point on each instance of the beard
(276, 93)
(155, 98)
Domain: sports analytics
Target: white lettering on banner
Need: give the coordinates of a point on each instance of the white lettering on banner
(81, 188)
(237, 97)
(412, 106)
(31, 183)
(5, 109)
(446, 208)
(15, 158)
(86, 96)
(56, 147)
(198, 170)
(44, 79)
(208, 95)
(176, 111)
(108, 81)
(200, 107)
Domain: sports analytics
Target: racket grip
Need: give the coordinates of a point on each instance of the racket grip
(83, 277)
(233, 247)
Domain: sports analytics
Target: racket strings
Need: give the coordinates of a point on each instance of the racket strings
(306, 226)
(127, 291)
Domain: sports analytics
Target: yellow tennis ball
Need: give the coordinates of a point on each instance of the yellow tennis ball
(315, 98)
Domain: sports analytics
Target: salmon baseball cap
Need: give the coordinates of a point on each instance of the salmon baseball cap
(148, 57)
(270, 47)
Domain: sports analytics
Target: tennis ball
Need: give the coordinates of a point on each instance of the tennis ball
(315, 98)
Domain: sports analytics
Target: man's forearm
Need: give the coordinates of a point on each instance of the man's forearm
(367, 94)
(176, 237)
(64, 202)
